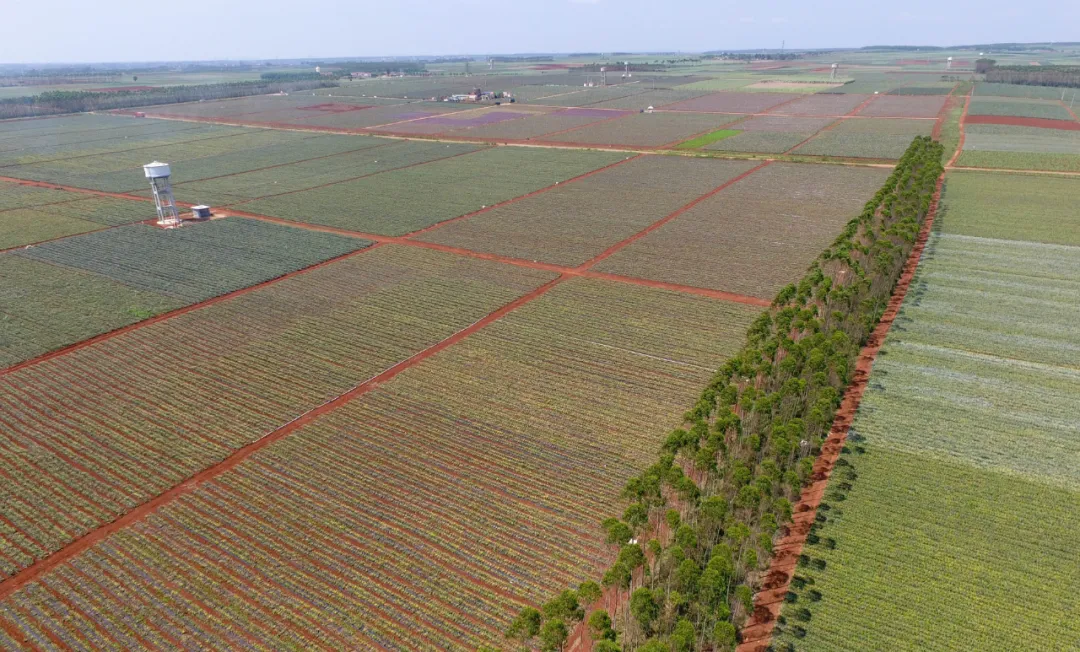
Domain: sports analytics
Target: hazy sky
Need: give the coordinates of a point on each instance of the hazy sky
(170, 30)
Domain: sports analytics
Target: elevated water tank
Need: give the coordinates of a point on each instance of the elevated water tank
(156, 170)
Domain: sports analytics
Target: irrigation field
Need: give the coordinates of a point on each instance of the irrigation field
(384, 399)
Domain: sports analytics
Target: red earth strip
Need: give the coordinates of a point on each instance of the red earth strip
(1016, 121)
(963, 121)
(769, 600)
(32, 572)
(943, 113)
(1068, 108)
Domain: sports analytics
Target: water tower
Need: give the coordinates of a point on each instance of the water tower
(158, 174)
(832, 75)
(948, 64)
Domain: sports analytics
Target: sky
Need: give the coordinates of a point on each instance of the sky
(49, 31)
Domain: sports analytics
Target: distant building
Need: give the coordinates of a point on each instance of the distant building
(361, 75)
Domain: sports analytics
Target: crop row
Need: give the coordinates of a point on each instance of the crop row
(116, 423)
(402, 201)
(47, 307)
(644, 129)
(733, 102)
(72, 158)
(877, 138)
(1009, 106)
(756, 235)
(421, 514)
(375, 156)
(570, 224)
(197, 262)
(121, 170)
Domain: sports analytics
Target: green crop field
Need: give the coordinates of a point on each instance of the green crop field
(1018, 107)
(421, 493)
(197, 262)
(747, 239)
(987, 205)
(402, 201)
(875, 138)
(645, 129)
(571, 224)
(78, 287)
(46, 307)
(971, 447)
(232, 380)
(1022, 90)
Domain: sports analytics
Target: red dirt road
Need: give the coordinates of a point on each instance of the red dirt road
(35, 570)
(768, 602)
(963, 121)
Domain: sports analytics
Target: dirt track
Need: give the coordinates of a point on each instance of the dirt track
(768, 602)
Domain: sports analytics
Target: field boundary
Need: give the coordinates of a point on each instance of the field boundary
(963, 121)
(769, 600)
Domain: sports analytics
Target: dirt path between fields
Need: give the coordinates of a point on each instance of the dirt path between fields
(769, 600)
(78, 546)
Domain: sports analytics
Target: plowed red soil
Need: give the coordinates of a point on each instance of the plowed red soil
(1017, 121)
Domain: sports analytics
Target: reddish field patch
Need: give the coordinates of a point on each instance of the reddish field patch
(1016, 121)
(334, 107)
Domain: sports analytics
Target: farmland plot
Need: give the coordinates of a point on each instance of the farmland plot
(987, 205)
(234, 371)
(644, 129)
(823, 104)
(402, 201)
(1020, 148)
(996, 91)
(990, 555)
(411, 518)
(1008, 106)
(570, 224)
(755, 236)
(64, 213)
(73, 156)
(771, 134)
(973, 448)
(877, 138)
(46, 307)
(196, 262)
(733, 102)
(303, 175)
(591, 96)
(536, 125)
(905, 106)
(121, 171)
(126, 133)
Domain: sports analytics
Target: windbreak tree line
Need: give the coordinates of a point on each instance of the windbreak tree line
(1064, 76)
(700, 524)
(57, 102)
